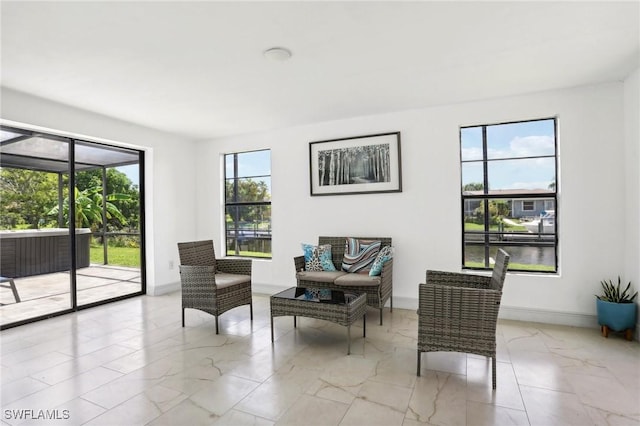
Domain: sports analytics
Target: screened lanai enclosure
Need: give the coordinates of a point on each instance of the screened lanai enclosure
(71, 224)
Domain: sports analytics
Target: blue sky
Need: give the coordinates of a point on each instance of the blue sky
(513, 140)
(253, 163)
(132, 172)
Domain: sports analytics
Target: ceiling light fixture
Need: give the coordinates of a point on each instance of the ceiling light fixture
(277, 54)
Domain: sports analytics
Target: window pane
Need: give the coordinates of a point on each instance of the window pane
(521, 258)
(473, 177)
(514, 213)
(537, 175)
(248, 231)
(471, 141)
(244, 217)
(474, 255)
(256, 163)
(517, 140)
(501, 217)
(228, 166)
(249, 190)
(473, 219)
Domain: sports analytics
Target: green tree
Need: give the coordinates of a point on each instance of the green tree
(248, 191)
(26, 196)
(498, 210)
(474, 186)
(117, 183)
(88, 208)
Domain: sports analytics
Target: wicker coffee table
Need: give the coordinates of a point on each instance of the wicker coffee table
(324, 304)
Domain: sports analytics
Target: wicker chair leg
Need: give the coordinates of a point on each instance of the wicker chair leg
(183, 317)
(381, 316)
(216, 324)
(391, 303)
(251, 310)
(493, 371)
(418, 371)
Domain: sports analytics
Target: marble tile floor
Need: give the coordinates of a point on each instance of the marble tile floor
(131, 363)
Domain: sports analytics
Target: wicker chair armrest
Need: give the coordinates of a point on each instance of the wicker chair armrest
(298, 262)
(457, 279)
(234, 266)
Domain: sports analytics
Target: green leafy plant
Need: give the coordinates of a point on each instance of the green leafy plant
(88, 207)
(612, 293)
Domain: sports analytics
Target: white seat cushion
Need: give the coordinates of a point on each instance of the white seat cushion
(225, 280)
(356, 280)
(320, 276)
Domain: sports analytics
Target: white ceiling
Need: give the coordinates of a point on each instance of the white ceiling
(196, 69)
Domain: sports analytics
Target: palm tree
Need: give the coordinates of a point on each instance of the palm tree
(88, 207)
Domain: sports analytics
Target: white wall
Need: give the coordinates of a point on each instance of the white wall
(424, 220)
(598, 192)
(632, 179)
(169, 173)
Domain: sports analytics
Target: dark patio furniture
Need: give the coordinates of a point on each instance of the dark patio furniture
(31, 252)
(339, 307)
(213, 285)
(378, 289)
(12, 286)
(458, 312)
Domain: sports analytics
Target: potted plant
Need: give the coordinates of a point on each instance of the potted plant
(616, 310)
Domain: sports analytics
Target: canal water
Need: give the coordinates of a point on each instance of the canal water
(518, 254)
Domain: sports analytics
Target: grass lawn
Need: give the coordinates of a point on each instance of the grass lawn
(516, 266)
(250, 254)
(120, 256)
(507, 228)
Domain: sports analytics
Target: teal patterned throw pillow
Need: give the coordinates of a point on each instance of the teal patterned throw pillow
(384, 255)
(317, 258)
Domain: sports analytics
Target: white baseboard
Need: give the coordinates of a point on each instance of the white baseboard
(519, 314)
(548, 317)
(523, 314)
(410, 303)
(164, 289)
(529, 315)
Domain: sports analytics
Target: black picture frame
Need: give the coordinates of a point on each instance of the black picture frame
(364, 164)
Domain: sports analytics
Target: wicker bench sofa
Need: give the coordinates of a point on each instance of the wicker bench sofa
(378, 289)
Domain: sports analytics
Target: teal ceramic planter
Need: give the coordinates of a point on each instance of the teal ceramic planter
(616, 316)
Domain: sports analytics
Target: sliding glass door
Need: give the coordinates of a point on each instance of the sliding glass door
(108, 230)
(71, 227)
(35, 247)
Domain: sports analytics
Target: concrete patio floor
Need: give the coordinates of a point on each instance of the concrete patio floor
(49, 293)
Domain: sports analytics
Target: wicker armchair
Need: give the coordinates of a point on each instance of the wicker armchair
(458, 312)
(213, 285)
